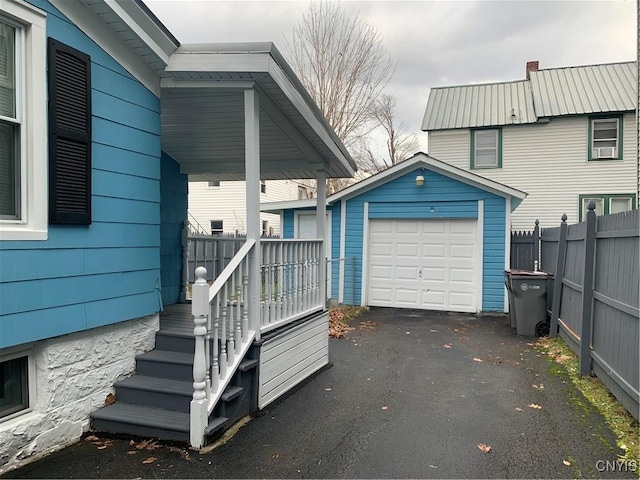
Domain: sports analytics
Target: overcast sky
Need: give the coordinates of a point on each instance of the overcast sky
(434, 43)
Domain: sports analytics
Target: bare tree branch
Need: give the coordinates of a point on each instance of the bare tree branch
(341, 61)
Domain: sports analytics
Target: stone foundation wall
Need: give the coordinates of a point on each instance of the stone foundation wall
(73, 375)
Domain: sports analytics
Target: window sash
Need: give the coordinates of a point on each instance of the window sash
(14, 386)
(605, 132)
(486, 148)
(216, 227)
(619, 204)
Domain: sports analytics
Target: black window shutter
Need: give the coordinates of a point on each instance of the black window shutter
(69, 135)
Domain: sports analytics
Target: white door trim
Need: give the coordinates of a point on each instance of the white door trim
(343, 249)
(507, 247)
(364, 277)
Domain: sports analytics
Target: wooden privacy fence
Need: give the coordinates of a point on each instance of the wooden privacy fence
(525, 248)
(596, 296)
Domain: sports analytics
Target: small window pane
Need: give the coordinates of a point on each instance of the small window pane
(488, 139)
(14, 392)
(620, 204)
(7, 70)
(486, 158)
(9, 171)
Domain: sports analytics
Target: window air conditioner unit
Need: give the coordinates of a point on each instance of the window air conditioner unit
(605, 152)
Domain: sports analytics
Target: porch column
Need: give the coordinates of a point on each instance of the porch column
(321, 229)
(252, 178)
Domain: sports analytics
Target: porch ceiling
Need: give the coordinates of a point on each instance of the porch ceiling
(203, 120)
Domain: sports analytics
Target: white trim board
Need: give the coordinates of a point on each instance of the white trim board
(480, 252)
(364, 274)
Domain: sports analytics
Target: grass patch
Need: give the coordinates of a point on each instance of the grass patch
(619, 420)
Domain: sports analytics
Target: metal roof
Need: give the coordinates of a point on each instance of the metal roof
(549, 92)
(582, 90)
(479, 106)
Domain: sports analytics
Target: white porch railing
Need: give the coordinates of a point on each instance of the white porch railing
(223, 334)
(290, 272)
(225, 324)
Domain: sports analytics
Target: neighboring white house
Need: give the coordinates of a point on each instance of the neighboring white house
(220, 206)
(563, 135)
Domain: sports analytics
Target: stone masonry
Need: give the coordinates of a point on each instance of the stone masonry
(73, 376)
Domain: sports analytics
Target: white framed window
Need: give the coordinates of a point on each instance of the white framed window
(17, 383)
(265, 228)
(23, 127)
(605, 136)
(216, 227)
(486, 148)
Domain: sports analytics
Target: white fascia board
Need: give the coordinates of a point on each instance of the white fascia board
(140, 23)
(430, 163)
(194, 58)
(274, 207)
(97, 31)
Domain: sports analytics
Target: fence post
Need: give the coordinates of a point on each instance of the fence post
(536, 246)
(559, 273)
(185, 262)
(587, 289)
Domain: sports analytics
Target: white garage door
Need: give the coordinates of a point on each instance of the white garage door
(427, 264)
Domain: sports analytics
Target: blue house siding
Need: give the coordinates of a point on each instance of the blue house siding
(173, 213)
(109, 271)
(441, 197)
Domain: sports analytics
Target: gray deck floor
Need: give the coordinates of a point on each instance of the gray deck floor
(177, 319)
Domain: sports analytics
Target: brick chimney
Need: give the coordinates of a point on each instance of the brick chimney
(532, 67)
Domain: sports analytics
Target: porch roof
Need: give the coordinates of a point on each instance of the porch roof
(201, 87)
(203, 115)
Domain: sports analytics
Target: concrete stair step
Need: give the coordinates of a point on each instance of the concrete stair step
(155, 392)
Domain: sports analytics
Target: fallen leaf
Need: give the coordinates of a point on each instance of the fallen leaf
(328, 389)
(385, 407)
(447, 345)
(149, 460)
(476, 359)
(102, 447)
(275, 455)
(518, 409)
(534, 405)
(484, 448)
(433, 331)
(91, 438)
(183, 453)
(408, 333)
(566, 462)
(132, 452)
(110, 400)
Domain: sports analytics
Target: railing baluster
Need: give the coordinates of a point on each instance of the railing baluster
(215, 365)
(228, 291)
(245, 305)
(223, 333)
(238, 317)
(198, 406)
(280, 280)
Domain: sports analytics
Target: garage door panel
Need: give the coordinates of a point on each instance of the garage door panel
(380, 296)
(461, 299)
(461, 275)
(407, 228)
(429, 264)
(406, 274)
(434, 274)
(382, 249)
(405, 250)
(381, 272)
(407, 296)
(461, 252)
(430, 250)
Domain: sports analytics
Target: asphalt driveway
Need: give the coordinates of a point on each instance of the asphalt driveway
(410, 394)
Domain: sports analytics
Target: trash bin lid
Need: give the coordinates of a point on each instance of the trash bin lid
(528, 273)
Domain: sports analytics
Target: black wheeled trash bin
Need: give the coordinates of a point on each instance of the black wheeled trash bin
(529, 291)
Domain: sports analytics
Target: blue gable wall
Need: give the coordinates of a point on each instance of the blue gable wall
(88, 276)
(401, 198)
